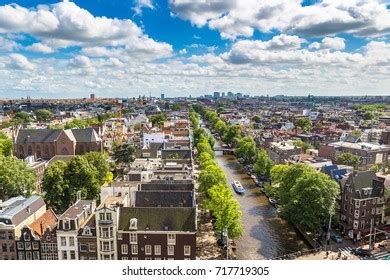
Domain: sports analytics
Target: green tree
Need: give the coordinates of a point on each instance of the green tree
(124, 153)
(21, 118)
(199, 134)
(277, 173)
(76, 123)
(246, 149)
(82, 176)
(226, 210)
(300, 144)
(55, 187)
(256, 119)
(369, 115)
(356, 133)
(220, 127)
(101, 118)
(348, 159)
(194, 118)
(158, 120)
(210, 176)
(313, 199)
(263, 164)
(304, 124)
(232, 134)
(16, 178)
(6, 145)
(43, 115)
(204, 147)
(101, 163)
(211, 141)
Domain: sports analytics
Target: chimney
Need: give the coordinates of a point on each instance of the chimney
(41, 228)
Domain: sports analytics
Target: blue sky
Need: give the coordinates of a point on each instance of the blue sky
(179, 47)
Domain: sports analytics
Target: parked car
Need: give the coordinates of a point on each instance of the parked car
(337, 238)
(361, 252)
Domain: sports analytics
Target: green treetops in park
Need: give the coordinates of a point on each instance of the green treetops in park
(16, 178)
(300, 144)
(123, 153)
(232, 134)
(158, 120)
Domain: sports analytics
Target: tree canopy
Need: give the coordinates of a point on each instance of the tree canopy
(158, 120)
(16, 178)
(124, 153)
(348, 159)
(263, 164)
(6, 145)
(246, 149)
(304, 124)
(43, 115)
(303, 145)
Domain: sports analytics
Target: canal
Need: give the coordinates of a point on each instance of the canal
(266, 236)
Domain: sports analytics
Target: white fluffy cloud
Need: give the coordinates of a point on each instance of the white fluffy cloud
(141, 4)
(65, 24)
(40, 48)
(328, 17)
(20, 62)
(329, 43)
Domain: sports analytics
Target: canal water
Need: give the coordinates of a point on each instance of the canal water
(266, 236)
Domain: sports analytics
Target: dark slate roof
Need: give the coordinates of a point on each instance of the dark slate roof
(37, 135)
(51, 135)
(366, 180)
(158, 219)
(164, 199)
(85, 135)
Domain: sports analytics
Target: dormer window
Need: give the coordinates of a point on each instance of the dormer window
(67, 225)
(133, 223)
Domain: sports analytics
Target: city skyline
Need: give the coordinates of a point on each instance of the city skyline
(70, 49)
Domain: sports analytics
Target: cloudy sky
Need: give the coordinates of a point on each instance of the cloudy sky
(125, 48)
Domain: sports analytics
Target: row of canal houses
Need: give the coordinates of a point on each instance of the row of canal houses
(149, 214)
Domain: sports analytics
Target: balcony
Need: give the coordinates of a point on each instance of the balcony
(105, 222)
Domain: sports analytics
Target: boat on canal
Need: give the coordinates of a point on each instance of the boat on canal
(238, 188)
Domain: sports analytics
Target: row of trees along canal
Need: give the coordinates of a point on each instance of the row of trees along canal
(307, 198)
(213, 184)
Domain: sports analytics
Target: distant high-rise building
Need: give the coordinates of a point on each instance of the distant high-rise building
(223, 94)
(92, 96)
(217, 95)
(162, 96)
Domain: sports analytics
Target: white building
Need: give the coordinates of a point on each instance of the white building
(69, 225)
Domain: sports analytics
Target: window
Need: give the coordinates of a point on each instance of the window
(11, 248)
(120, 236)
(148, 249)
(134, 249)
(20, 246)
(362, 224)
(35, 245)
(157, 259)
(71, 241)
(157, 250)
(72, 255)
(355, 224)
(83, 247)
(106, 246)
(373, 201)
(102, 216)
(134, 258)
(187, 250)
(36, 255)
(133, 223)
(171, 239)
(67, 225)
(26, 237)
(364, 202)
(4, 247)
(133, 238)
(350, 210)
(373, 211)
(20, 255)
(148, 259)
(357, 203)
(357, 214)
(92, 247)
(28, 256)
(345, 207)
(363, 213)
(63, 241)
(2, 235)
(351, 201)
(125, 258)
(108, 217)
(171, 250)
(64, 255)
(10, 235)
(27, 245)
(124, 248)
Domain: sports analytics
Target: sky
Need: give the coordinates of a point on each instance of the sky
(127, 48)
